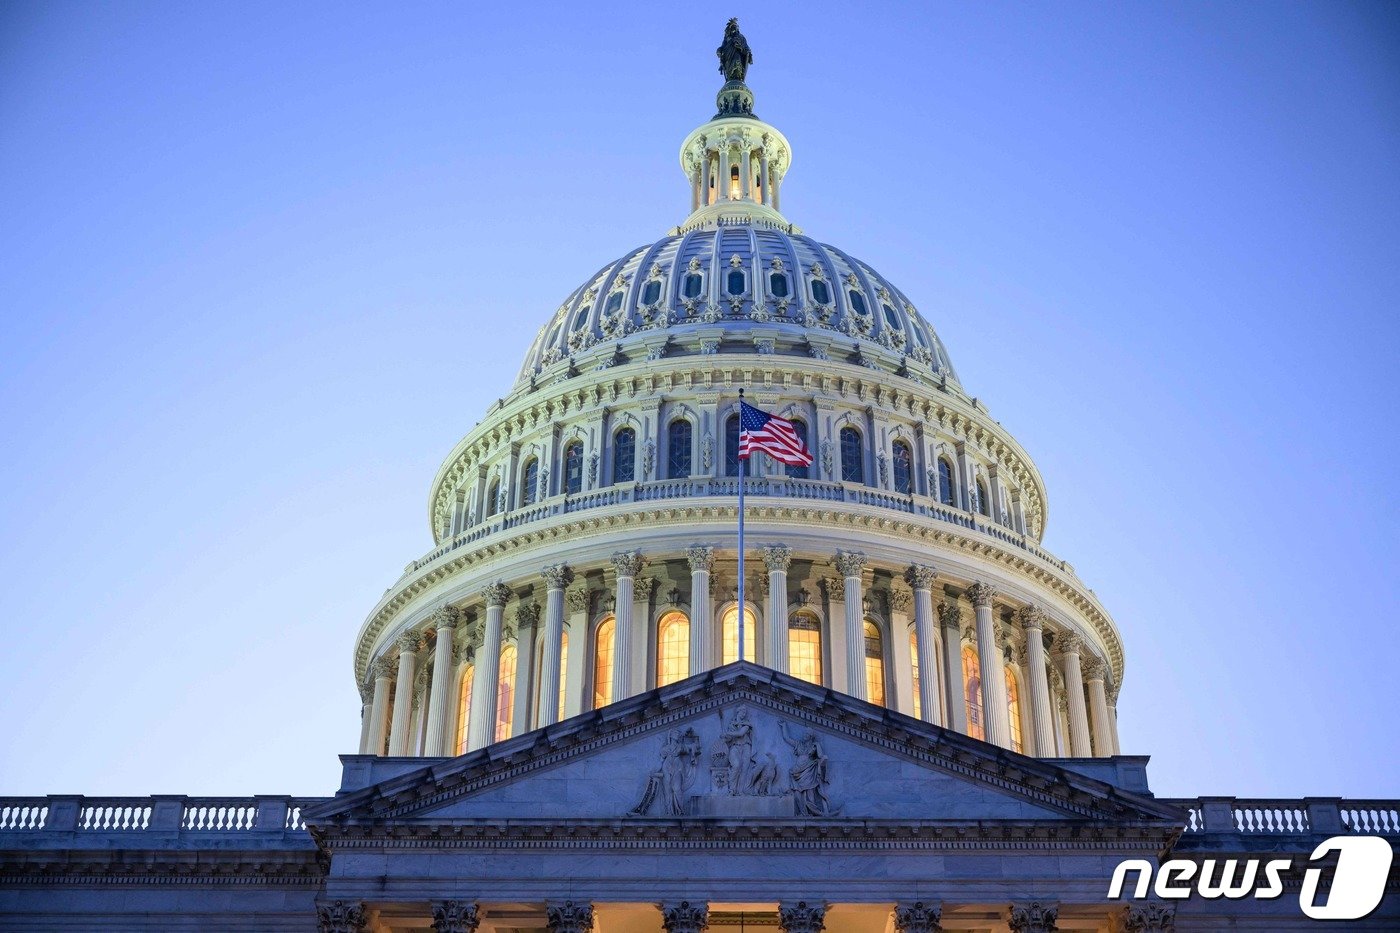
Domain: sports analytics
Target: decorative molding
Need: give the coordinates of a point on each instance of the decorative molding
(685, 917)
(920, 576)
(1092, 667)
(409, 643)
(527, 615)
(1032, 618)
(700, 557)
(627, 563)
(918, 917)
(569, 916)
(496, 593)
(385, 667)
(850, 563)
(901, 600)
(777, 557)
(455, 917)
(801, 917)
(950, 614)
(578, 599)
(981, 594)
(1035, 917)
(557, 576)
(1150, 918)
(445, 617)
(1068, 643)
(341, 917)
(835, 588)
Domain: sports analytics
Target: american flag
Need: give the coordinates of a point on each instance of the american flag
(776, 436)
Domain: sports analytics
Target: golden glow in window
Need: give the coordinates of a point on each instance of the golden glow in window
(505, 694)
(805, 648)
(874, 665)
(672, 648)
(603, 662)
(734, 183)
(464, 708)
(914, 654)
(1013, 707)
(730, 627)
(563, 670)
(972, 689)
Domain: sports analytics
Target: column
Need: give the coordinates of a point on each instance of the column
(1113, 723)
(801, 917)
(486, 680)
(626, 563)
(1093, 668)
(722, 182)
(366, 711)
(455, 917)
(383, 673)
(697, 180)
(685, 916)
(746, 174)
(1033, 917)
(399, 731)
(767, 192)
(702, 642)
(1069, 647)
(777, 558)
(527, 623)
(557, 577)
(900, 695)
(919, 916)
(1032, 619)
(568, 916)
(955, 698)
(577, 601)
(992, 665)
(850, 564)
(436, 742)
(920, 580)
(834, 639)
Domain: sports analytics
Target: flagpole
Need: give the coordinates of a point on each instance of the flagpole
(742, 607)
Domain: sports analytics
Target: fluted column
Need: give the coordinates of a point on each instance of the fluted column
(487, 677)
(722, 183)
(399, 731)
(626, 563)
(1033, 917)
(767, 192)
(801, 917)
(1069, 647)
(920, 580)
(1093, 668)
(568, 916)
(702, 641)
(685, 916)
(437, 741)
(954, 691)
(993, 668)
(366, 714)
(455, 917)
(746, 174)
(777, 558)
(850, 564)
(1032, 618)
(383, 671)
(577, 601)
(918, 917)
(557, 577)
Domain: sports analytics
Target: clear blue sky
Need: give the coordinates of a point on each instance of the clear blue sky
(263, 264)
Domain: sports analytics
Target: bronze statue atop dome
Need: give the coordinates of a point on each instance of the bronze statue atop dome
(734, 55)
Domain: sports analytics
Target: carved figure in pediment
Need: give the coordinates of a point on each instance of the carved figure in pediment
(737, 735)
(680, 758)
(809, 777)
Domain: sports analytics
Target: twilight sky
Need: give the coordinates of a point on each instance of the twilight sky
(263, 264)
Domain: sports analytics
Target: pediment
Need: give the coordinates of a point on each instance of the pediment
(744, 743)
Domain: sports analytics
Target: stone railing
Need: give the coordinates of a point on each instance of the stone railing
(1329, 816)
(759, 487)
(165, 815)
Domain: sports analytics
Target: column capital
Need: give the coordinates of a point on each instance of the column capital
(1033, 917)
(920, 576)
(850, 563)
(685, 917)
(950, 615)
(701, 557)
(981, 594)
(918, 917)
(341, 917)
(385, 667)
(1068, 643)
(367, 691)
(569, 916)
(777, 557)
(901, 600)
(835, 587)
(627, 564)
(495, 594)
(801, 917)
(1031, 617)
(455, 917)
(409, 643)
(445, 617)
(1150, 918)
(557, 576)
(527, 615)
(1092, 666)
(578, 599)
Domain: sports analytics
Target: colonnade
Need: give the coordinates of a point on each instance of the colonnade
(899, 637)
(713, 177)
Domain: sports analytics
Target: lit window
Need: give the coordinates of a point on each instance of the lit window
(651, 292)
(573, 468)
(624, 455)
(529, 483)
(820, 293)
(945, 482)
(1013, 708)
(778, 285)
(799, 472)
(678, 438)
(731, 446)
(857, 302)
(903, 468)
(972, 689)
(691, 287)
(914, 654)
(464, 707)
(805, 648)
(730, 628)
(603, 662)
(874, 664)
(852, 456)
(672, 648)
(735, 282)
(505, 694)
(734, 183)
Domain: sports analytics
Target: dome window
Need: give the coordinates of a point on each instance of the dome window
(734, 183)
(798, 472)
(581, 318)
(857, 302)
(891, 318)
(624, 456)
(945, 481)
(821, 294)
(692, 285)
(874, 664)
(805, 647)
(672, 648)
(852, 456)
(651, 292)
(983, 503)
(735, 282)
(573, 468)
(778, 285)
(529, 482)
(731, 445)
(493, 495)
(678, 439)
(614, 302)
(903, 468)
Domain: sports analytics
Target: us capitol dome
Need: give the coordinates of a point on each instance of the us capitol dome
(584, 531)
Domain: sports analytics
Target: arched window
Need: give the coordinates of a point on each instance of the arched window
(735, 282)
(903, 468)
(692, 284)
(672, 648)
(464, 707)
(651, 292)
(731, 445)
(857, 302)
(493, 497)
(573, 468)
(624, 455)
(678, 437)
(734, 183)
(914, 655)
(852, 456)
(972, 689)
(799, 472)
(805, 647)
(821, 294)
(983, 502)
(1013, 708)
(729, 627)
(874, 664)
(563, 675)
(778, 285)
(945, 482)
(603, 662)
(529, 481)
(505, 694)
